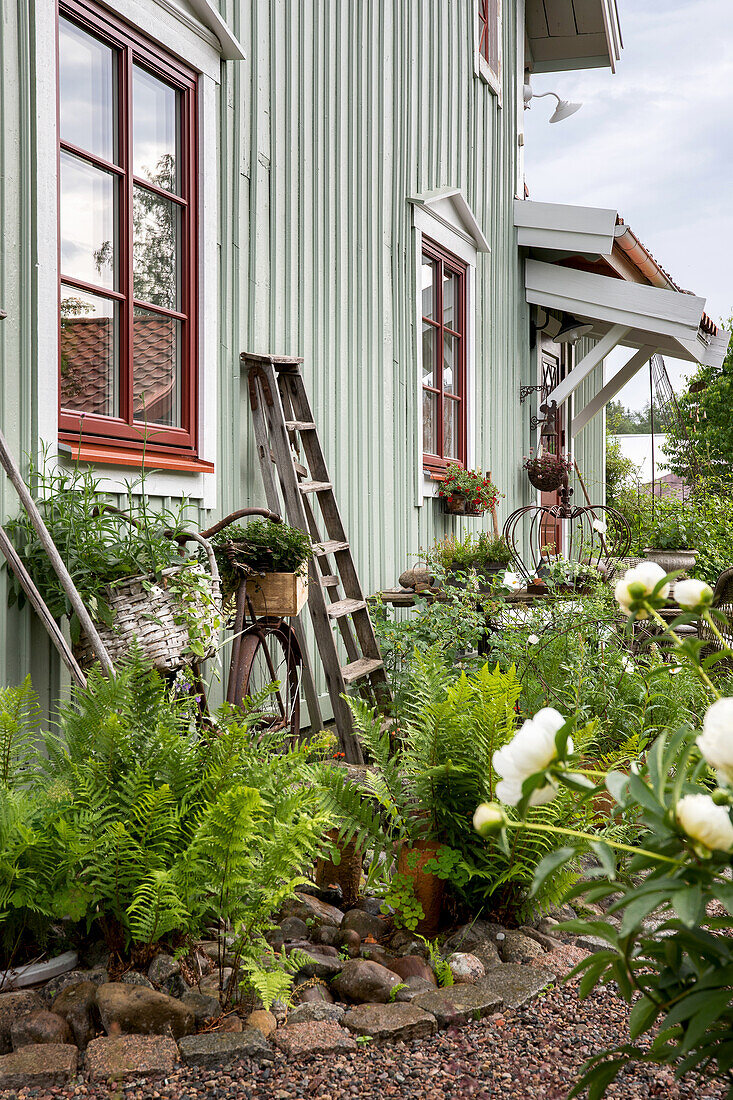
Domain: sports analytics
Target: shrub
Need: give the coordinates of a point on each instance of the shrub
(475, 551)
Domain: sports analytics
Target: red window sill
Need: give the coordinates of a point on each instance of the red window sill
(437, 473)
(118, 456)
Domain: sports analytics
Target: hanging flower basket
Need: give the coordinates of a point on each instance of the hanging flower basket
(467, 492)
(547, 472)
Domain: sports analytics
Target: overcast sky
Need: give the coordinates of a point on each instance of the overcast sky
(653, 141)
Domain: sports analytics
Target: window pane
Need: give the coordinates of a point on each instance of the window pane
(451, 351)
(451, 285)
(155, 237)
(154, 130)
(429, 423)
(89, 353)
(86, 91)
(88, 222)
(428, 288)
(156, 384)
(429, 341)
(450, 428)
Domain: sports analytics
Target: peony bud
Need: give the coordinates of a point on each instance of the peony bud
(704, 822)
(716, 740)
(693, 595)
(488, 818)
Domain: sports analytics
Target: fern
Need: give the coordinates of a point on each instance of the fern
(19, 721)
(156, 908)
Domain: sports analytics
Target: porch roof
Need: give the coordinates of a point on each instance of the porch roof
(573, 34)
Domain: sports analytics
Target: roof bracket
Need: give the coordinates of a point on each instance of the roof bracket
(611, 388)
(580, 372)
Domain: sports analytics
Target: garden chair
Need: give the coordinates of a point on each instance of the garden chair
(723, 602)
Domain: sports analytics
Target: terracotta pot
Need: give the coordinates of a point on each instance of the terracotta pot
(346, 874)
(671, 560)
(429, 890)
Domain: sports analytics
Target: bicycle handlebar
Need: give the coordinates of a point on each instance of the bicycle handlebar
(238, 515)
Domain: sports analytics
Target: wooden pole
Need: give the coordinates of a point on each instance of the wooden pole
(11, 469)
(588, 501)
(494, 515)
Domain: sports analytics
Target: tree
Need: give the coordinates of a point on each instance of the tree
(703, 442)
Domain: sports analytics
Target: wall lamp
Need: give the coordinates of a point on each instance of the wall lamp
(564, 107)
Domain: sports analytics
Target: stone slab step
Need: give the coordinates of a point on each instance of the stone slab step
(38, 1066)
(219, 1048)
(390, 1022)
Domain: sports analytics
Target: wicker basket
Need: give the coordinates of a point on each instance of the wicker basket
(151, 613)
(547, 481)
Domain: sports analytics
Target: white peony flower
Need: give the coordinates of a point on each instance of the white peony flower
(487, 818)
(637, 583)
(511, 581)
(693, 594)
(532, 639)
(627, 664)
(705, 822)
(600, 525)
(716, 740)
(531, 750)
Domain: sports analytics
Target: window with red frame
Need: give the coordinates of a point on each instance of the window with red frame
(488, 33)
(443, 291)
(127, 237)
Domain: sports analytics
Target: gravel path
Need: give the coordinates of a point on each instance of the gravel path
(531, 1054)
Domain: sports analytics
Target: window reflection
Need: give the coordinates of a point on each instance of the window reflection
(155, 248)
(86, 75)
(154, 130)
(156, 367)
(89, 352)
(88, 222)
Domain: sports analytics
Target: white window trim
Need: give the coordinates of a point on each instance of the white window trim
(427, 222)
(480, 66)
(180, 39)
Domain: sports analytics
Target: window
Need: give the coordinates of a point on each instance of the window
(443, 357)
(489, 42)
(127, 237)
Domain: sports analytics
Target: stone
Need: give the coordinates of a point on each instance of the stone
(458, 1004)
(41, 1066)
(13, 1006)
(488, 954)
(515, 984)
(262, 1021)
(404, 943)
(96, 956)
(313, 1037)
(548, 942)
(412, 987)
(130, 1055)
(313, 994)
(142, 1011)
(364, 924)
(518, 948)
(376, 953)
(39, 1027)
(315, 964)
(232, 1023)
(97, 975)
(316, 1010)
(371, 905)
(77, 1004)
(592, 944)
(165, 974)
(210, 985)
(319, 910)
(562, 959)
(203, 1007)
(469, 936)
(219, 1048)
(134, 977)
(412, 966)
(465, 968)
(390, 1022)
(363, 981)
(293, 928)
(351, 940)
(327, 934)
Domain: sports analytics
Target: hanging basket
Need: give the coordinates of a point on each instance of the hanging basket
(162, 617)
(547, 481)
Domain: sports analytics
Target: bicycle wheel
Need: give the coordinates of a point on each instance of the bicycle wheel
(269, 654)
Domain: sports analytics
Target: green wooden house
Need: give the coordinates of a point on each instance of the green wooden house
(342, 180)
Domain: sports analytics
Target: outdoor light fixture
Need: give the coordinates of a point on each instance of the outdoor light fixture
(564, 107)
(572, 329)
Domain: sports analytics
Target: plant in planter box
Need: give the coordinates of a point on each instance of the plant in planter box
(547, 471)
(467, 492)
(569, 576)
(671, 543)
(482, 552)
(128, 569)
(274, 554)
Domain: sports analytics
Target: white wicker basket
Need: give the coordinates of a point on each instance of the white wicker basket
(153, 613)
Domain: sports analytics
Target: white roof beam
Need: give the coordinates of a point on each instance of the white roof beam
(580, 372)
(558, 227)
(611, 388)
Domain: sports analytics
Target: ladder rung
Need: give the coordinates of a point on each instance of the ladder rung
(330, 581)
(320, 549)
(314, 486)
(357, 670)
(300, 426)
(340, 608)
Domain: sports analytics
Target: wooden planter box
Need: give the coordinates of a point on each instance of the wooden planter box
(278, 594)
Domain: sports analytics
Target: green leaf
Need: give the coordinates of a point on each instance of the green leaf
(551, 862)
(688, 905)
(642, 1017)
(606, 856)
(598, 1079)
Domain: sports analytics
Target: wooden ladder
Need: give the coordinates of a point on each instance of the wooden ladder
(283, 423)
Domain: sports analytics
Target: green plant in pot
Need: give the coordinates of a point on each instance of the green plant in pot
(671, 544)
(275, 557)
(128, 567)
(467, 492)
(562, 575)
(487, 555)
